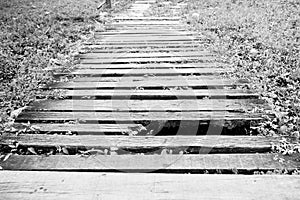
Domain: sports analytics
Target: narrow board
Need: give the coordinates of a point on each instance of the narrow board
(147, 60)
(159, 94)
(197, 84)
(192, 163)
(149, 105)
(153, 72)
(125, 78)
(15, 185)
(129, 144)
(146, 39)
(136, 116)
(146, 55)
(87, 49)
(152, 66)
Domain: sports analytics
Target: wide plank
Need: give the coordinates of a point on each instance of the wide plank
(136, 116)
(144, 22)
(139, 45)
(159, 94)
(152, 144)
(126, 18)
(39, 185)
(245, 163)
(149, 105)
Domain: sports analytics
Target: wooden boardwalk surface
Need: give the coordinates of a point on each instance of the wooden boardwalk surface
(146, 97)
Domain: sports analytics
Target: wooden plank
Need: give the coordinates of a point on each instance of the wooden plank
(81, 129)
(152, 72)
(119, 38)
(149, 163)
(150, 39)
(160, 94)
(152, 65)
(144, 22)
(148, 105)
(126, 18)
(194, 42)
(147, 84)
(152, 144)
(86, 186)
(147, 60)
(140, 45)
(161, 78)
(144, 32)
(141, 49)
(136, 116)
(146, 55)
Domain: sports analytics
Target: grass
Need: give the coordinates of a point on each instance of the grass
(37, 35)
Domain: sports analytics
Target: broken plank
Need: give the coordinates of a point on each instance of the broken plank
(129, 144)
(148, 105)
(151, 186)
(80, 129)
(245, 163)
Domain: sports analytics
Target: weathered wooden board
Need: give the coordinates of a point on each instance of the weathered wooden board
(191, 144)
(161, 78)
(195, 42)
(15, 185)
(146, 55)
(119, 38)
(212, 84)
(61, 185)
(147, 60)
(143, 23)
(152, 72)
(141, 49)
(148, 105)
(160, 94)
(152, 66)
(81, 129)
(144, 163)
(149, 45)
(136, 116)
(124, 18)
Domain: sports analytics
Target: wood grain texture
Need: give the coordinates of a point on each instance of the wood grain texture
(153, 72)
(149, 163)
(177, 59)
(146, 55)
(152, 66)
(148, 105)
(191, 144)
(160, 94)
(16, 185)
(148, 84)
(136, 116)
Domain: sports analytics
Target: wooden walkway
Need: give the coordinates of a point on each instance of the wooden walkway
(146, 97)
